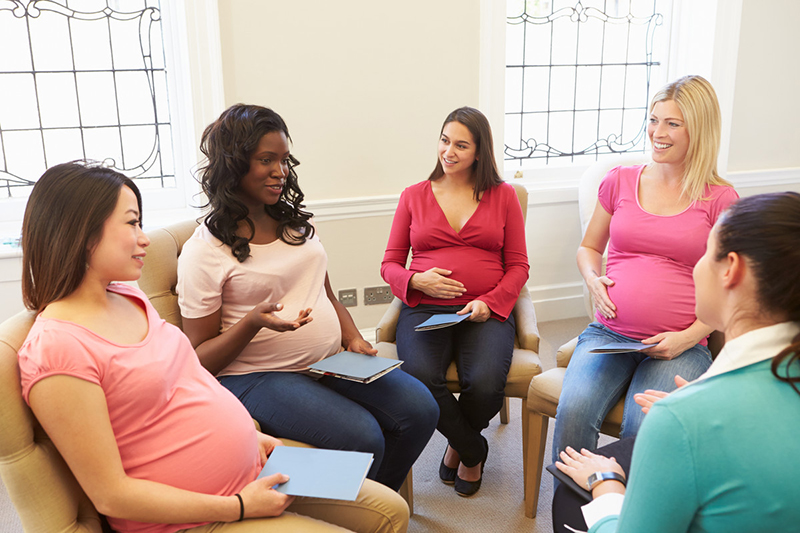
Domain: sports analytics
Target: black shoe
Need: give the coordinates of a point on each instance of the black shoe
(468, 488)
(447, 474)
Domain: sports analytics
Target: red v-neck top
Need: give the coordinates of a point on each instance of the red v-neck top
(488, 255)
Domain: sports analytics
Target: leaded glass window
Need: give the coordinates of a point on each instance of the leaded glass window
(579, 77)
(83, 79)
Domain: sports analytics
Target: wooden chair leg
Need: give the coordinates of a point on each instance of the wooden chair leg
(407, 492)
(533, 461)
(504, 411)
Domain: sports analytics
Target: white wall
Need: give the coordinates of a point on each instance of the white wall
(765, 132)
(364, 87)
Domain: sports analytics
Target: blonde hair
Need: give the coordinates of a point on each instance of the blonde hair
(696, 99)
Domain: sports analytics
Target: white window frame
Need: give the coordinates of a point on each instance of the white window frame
(704, 40)
(194, 70)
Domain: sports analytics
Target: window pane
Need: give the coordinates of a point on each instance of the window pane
(91, 45)
(104, 144)
(135, 98)
(58, 100)
(24, 154)
(537, 87)
(587, 69)
(97, 80)
(97, 96)
(47, 34)
(16, 54)
(18, 108)
(62, 145)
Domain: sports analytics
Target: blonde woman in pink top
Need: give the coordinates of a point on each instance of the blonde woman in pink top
(157, 444)
(655, 219)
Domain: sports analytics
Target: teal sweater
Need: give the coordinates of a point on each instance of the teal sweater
(722, 456)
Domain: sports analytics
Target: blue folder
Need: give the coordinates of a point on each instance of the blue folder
(317, 473)
(355, 366)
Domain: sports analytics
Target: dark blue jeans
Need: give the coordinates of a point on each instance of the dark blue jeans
(482, 352)
(393, 417)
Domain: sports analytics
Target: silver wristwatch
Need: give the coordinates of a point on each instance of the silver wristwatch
(598, 477)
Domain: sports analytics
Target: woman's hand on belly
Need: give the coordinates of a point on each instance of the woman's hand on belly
(668, 345)
(598, 286)
(263, 316)
(480, 311)
(435, 283)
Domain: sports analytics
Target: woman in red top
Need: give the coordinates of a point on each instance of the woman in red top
(466, 233)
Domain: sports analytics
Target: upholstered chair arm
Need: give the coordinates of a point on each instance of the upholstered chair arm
(525, 316)
(564, 354)
(387, 327)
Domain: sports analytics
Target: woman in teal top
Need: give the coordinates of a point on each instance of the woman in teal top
(721, 453)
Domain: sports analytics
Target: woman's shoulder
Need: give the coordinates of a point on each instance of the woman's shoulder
(723, 192)
(417, 188)
(202, 242)
(625, 172)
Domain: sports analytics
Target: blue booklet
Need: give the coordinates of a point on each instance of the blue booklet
(317, 473)
(441, 321)
(622, 347)
(355, 366)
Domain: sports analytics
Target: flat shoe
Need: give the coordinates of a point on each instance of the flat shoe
(447, 474)
(468, 488)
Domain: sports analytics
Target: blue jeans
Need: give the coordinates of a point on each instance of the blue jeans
(393, 417)
(482, 352)
(594, 383)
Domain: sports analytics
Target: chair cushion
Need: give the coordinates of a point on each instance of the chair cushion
(524, 365)
(545, 390)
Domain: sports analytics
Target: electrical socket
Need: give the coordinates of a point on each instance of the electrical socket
(378, 295)
(348, 297)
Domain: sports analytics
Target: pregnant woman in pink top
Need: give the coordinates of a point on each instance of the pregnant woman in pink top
(655, 219)
(157, 444)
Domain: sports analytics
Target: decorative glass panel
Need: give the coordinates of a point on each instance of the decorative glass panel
(578, 77)
(83, 79)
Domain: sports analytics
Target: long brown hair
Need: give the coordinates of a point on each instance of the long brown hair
(484, 168)
(765, 229)
(63, 222)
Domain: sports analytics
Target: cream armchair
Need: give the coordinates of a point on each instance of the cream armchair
(525, 363)
(41, 487)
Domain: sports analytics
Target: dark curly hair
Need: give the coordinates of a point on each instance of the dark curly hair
(765, 229)
(228, 143)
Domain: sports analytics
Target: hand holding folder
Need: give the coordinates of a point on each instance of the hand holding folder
(318, 473)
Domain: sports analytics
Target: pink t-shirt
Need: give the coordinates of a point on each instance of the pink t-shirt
(651, 257)
(488, 255)
(173, 422)
(210, 278)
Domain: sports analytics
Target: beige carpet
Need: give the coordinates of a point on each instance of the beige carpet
(498, 506)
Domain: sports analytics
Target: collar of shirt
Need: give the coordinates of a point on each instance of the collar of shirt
(752, 347)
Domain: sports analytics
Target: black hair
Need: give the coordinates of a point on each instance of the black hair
(228, 143)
